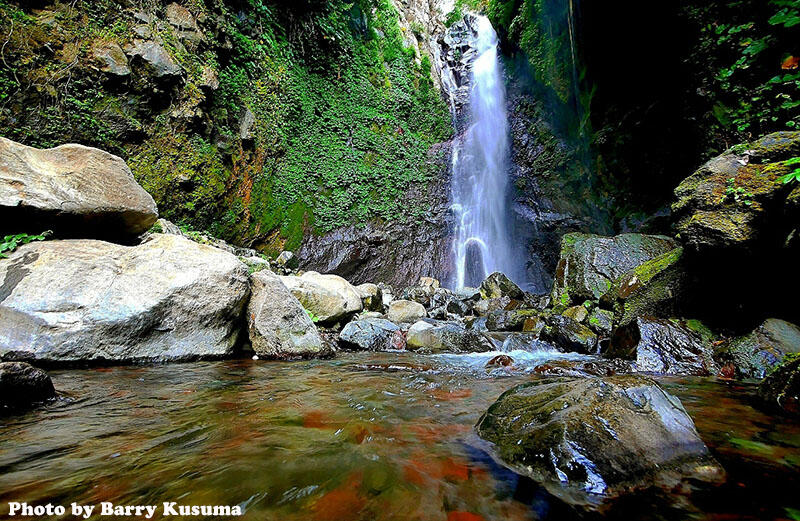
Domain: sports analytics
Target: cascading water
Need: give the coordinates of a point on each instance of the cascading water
(480, 170)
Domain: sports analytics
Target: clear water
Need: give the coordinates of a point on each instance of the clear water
(384, 436)
(480, 168)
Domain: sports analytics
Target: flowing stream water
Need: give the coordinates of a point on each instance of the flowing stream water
(480, 170)
(367, 436)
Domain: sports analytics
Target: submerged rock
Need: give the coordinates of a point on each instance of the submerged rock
(369, 334)
(405, 311)
(754, 355)
(445, 337)
(81, 300)
(279, 326)
(595, 438)
(662, 346)
(781, 389)
(589, 264)
(73, 190)
(22, 385)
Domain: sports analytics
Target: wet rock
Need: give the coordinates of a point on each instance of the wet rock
(514, 320)
(736, 199)
(445, 337)
(73, 190)
(576, 313)
(160, 63)
(22, 385)
(525, 342)
(111, 59)
(484, 307)
(533, 325)
(653, 288)
(370, 334)
(569, 335)
(584, 368)
(405, 311)
(500, 361)
(590, 263)
(597, 437)
(83, 300)
(601, 321)
(498, 285)
(670, 347)
(754, 355)
(371, 296)
(279, 326)
(781, 389)
(287, 260)
(329, 298)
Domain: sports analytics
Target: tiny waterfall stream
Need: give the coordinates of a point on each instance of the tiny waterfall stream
(480, 166)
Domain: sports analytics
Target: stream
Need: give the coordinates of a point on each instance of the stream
(367, 436)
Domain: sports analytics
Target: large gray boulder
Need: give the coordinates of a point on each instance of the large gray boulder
(369, 334)
(445, 337)
(406, 311)
(22, 385)
(589, 264)
(279, 326)
(73, 190)
(85, 300)
(596, 437)
(756, 354)
(329, 298)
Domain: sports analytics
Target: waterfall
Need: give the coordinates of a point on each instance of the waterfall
(480, 169)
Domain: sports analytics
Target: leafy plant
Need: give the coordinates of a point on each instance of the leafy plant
(12, 242)
(738, 193)
(793, 176)
(312, 316)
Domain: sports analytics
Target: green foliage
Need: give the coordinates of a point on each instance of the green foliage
(12, 242)
(738, 193)
(793, 176)
(311, 315)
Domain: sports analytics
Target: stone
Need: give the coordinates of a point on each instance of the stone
(500, 361)
(22, 385)
(569, 335)
(756, 354)
(110, 58)
(328, 297)
(167, 227)
(781, 389)
(370, 334)
(278, 324)
(371, 296)
(429, 283)
(513, 320)
(73, 190)
(86, 300)
(160, 63)
(445, 337)
(669, 347)
(405, 311)
(497, 285)
(483, 307)
(576, 313)
(287, 260)
(653, 288)
(597, 437)
(589, 264)
(734, 200)
(601, 321)
(525, 342)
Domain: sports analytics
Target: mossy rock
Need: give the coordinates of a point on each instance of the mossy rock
(757, 354)
(781, 389)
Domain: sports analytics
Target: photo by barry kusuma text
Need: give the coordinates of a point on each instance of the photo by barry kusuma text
(20, 509)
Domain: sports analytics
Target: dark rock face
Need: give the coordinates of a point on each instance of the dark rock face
(589, 264)
(569, 335)
(369, 334)
(22, 385)
(754, 355)
(595, 438)
(665, 347)
(781, 389)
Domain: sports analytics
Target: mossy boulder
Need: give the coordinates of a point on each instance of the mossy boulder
(756, 354)
(652, 288)
(513, 320)
(590, 263)
(661, 346)
(781, 389)
(569, 335)
(497, 285)
(594, 438)
(737, 200)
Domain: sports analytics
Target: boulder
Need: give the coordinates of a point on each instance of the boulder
(369, 334)
(513, 320)
(328, 297)
(601, 321)
(484, 307)
(497, 285)
(73, 190)
(736, 200)
(279, 326)
(445, 337)
(85, 300)
(287, 260)
(653, 288)
(576, 313)
(596, 437)
(569, 335)
(371, 296)
(156, 58)
(670, 347)
(499, 361)
(756, 354)
(110, 58)
(22, 385)
(405, 311)
(590, 263)
(525, 342)
(781, 389)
